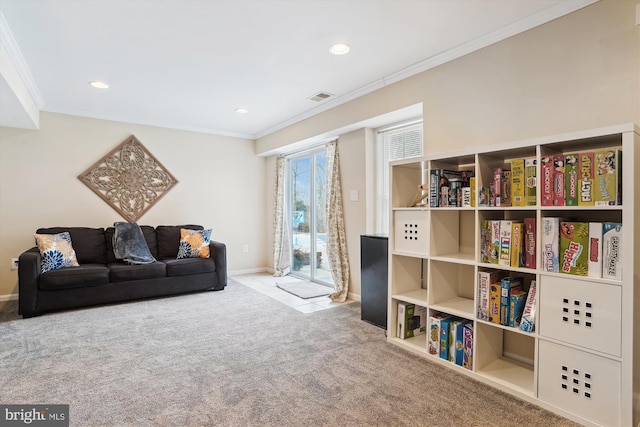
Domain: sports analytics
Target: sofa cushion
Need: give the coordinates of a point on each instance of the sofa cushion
(194, 243)
(89, 243)
(121, 272)
(83, 276)
(169, 239)
(56, 250)
(189, 266)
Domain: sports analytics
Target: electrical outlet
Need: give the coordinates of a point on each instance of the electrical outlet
(245, 248)
(14, 263)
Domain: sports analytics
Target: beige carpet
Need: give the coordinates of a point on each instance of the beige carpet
(237, 358)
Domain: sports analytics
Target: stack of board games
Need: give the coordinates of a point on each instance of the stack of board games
(508, 242)
(485, 280)
(581, 248)
(585, 178)
(450, 188)
(451, 338)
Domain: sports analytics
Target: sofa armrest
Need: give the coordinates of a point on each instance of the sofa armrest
(29, 269)
(219, 254)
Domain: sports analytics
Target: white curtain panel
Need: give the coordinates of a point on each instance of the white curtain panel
(282, 236)
(336, 236)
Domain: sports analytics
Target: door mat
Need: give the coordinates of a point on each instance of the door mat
(304, 289)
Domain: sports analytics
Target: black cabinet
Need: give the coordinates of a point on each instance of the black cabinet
(374, 268)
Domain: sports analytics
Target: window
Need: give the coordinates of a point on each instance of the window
(399, 141)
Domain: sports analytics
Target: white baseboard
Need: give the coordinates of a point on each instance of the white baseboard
(354, 297)
(249, 271)
(8, 297)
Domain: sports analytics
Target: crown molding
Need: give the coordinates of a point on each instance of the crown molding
(16, 58)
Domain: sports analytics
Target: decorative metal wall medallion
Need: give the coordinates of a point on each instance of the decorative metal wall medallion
(129, 179)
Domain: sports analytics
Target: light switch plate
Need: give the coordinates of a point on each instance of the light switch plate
(354, 195)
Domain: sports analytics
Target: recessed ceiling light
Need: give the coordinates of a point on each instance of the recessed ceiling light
(241, 110)
(339, 49)
(98, 84)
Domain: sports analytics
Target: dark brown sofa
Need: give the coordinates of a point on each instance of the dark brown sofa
(101, 279)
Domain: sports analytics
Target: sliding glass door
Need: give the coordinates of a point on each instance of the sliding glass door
(308, 201)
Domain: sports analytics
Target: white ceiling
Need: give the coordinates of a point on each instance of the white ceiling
(187, 64)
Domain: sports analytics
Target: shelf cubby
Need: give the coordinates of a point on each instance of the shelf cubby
(505, 357)
(406, 178)
(451, 288)
(452, 235)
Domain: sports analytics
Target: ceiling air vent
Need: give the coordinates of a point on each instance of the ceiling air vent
(320, 96)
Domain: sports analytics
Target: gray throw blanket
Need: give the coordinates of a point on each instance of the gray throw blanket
(129, 244)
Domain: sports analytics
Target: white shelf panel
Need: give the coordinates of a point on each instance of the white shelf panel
(410, 254)
(462, 307)
(510, 373)
(416, 345)
(507, 328)
(458, 258)
(418, 297)
(509, 268)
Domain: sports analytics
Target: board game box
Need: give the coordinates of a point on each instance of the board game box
(558, 181)
(528, 321)
(550, 242)
(530, 171)
(574, 247)
(571, 179)
(546, 193)
(611, 245)
(595, 249)
(608, 183)
(585, 169)
(517, 239)
(518, 184)
(411, 320)
(530, 242)
(508, 285)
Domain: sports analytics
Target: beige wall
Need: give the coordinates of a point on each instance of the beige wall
(219, 185)
(580, 71)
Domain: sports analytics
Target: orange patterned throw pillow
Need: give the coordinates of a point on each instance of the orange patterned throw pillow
(194, 243)
(56, 251)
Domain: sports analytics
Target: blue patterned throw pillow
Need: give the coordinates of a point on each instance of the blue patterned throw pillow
(194, 243)
(56, 250)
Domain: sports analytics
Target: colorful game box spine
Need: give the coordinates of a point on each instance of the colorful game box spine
(574, 248)
(485, 241)
(496, 187)
(517, 238)
(505, 243)
(558, 181)
(458, 338)
(530, 242)
(550, 244)
(494, 302)
(531, 170)
(546, 194)
(518, 183)
(571, 179)
(445, 330)
(472, 186)
(611, 245)
(434, 187)
(595, 249)
(517, 299)
(495, 239)
(505, 188)
(434, 333)
(585, 169)
(508, 285)
(608, 183)
(485, 279)
(467, 360)
(528, 321)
